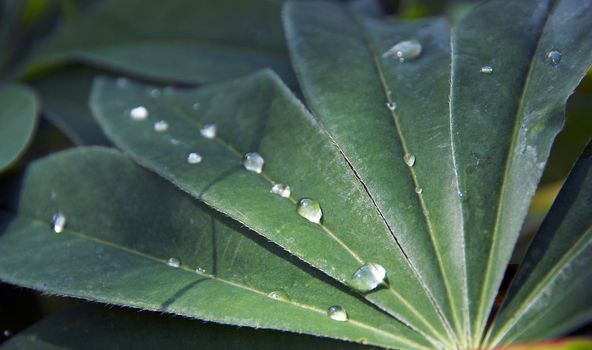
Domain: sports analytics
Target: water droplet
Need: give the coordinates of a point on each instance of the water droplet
(161, 126)
(121, 82)
(195, 106)
(282, 190)
(337, 313)
(174, 141)
(310, 210)
(53, 195)
(391, 105)
(139, 113)
(253, 162)
(58, 222)
(278, 295)
(200, 270)
(208, 131)
(418, 190)
(553, 57)
(7, 333)
(154, 92)
(461, 194)
(368, 277)
(194, 158)
(409, 159)
(174, 262)
(486, 70)
(404, 51)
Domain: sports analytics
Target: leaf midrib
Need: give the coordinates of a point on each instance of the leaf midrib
(480, 319)
(307, 307)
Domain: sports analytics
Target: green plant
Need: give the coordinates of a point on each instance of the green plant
(426, 146)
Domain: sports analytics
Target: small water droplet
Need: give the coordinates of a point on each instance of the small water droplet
(461, 194)
(161, 126)
(121, 82)
(409, 159)
(200, 270)
(337, 313)
(553, 57)
(174, 141)
(53, 195)
(418, 190)
(368, 277)
(154, 92)
(194, 158)
(253, 162)
(7, 333)
(282, 190)
(406, 50)
(391, 105)
(486, 70)
(195, 106)
(278, 295)
(174, 262)
(208, 131)
(139, 113)
(310, 210)
(58, 222)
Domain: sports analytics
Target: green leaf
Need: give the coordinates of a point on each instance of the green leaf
(65, 103)
(122, 226)
(485, 136)
(18, 117)
(180, 40)
(551, 293)
(92, 327)
(259, 113)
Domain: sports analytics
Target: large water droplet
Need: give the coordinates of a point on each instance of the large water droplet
(278, 295)
(553, 57)
(391, 105)
(337, 313)
(139, 113)
(404, 51)
(194, 158)
(58, 222)
(310, 210)
(161, 126)
(486, 70)
(282, 190)
(409, 159)
(368, 277)
(208, 131)
(253, 162)
(174, 262)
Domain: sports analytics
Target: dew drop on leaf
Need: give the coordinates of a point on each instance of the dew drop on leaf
(418, 190)
(161, 126)
(391, 105)
(486, 70)
(200, 270)
(409, 159)
(139, 113)
(337, 313)
(368, 277)
(278, 295)
(174, 262)
(553, 57)
(208, 131)
(310, 210)
(58, 222)
(282, 190)
(194, 158)
(253, 162)
(404, 51)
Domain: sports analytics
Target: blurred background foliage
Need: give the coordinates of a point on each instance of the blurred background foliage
(25, 23)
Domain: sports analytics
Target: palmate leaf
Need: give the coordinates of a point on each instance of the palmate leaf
(124, 223)
(92, 327)
(258, 113)
(18, 117)
(177, 41)
(480, 140)
(551, 293)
